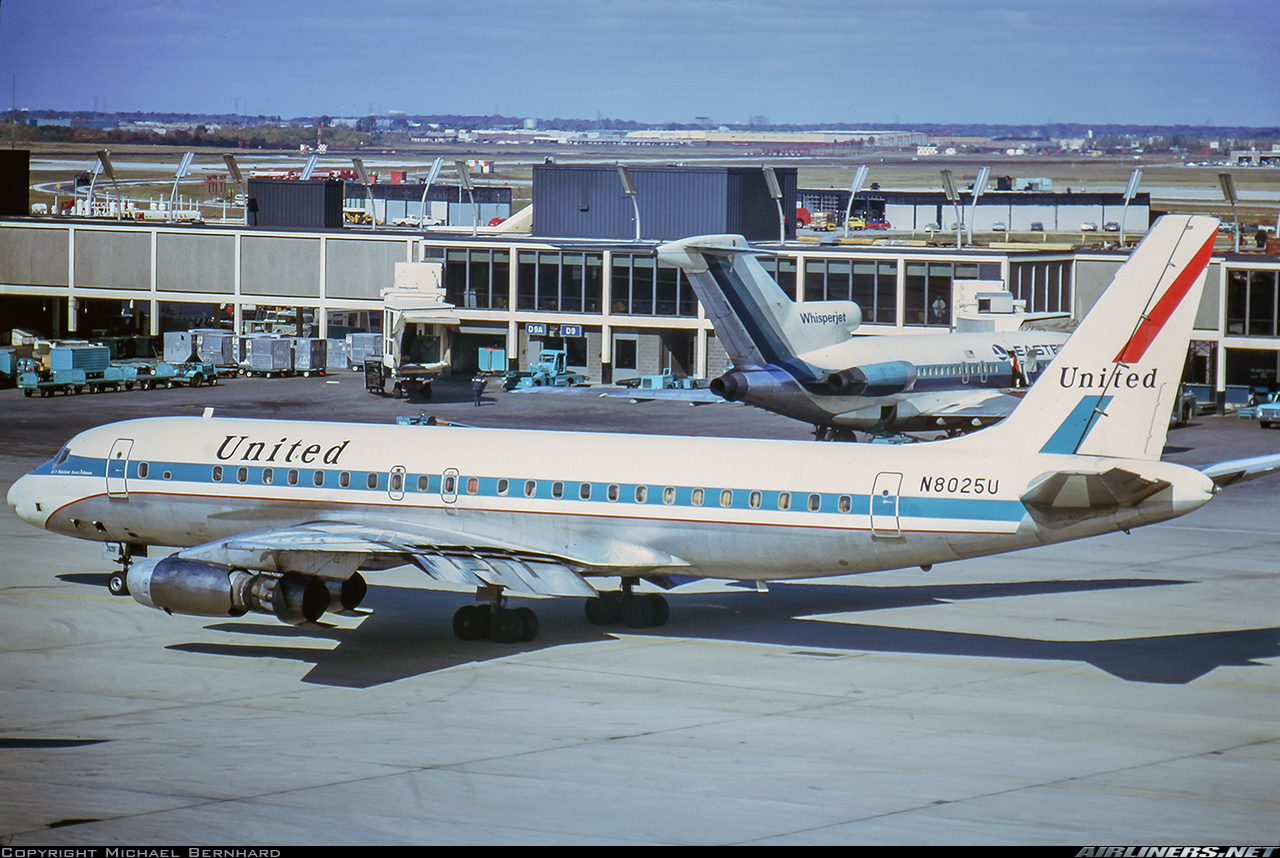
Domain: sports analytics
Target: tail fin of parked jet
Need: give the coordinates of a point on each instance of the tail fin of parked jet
(1111, 389)
(757, 322)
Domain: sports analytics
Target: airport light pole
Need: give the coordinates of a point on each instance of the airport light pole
(859, 179)
(184, 167)
(368, 191)
(464, 176)
(1229, 192)
(979, 187)
(103, 166)
(234, 169)
(431, 178)
(310, 168)
(1130, 191)
(949, 188)
(629, 189)
(775, 191)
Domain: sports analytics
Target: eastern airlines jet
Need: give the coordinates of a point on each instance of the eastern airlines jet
(802, 361)
(282, 517)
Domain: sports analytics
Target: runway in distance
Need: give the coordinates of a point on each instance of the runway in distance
(283, 517)
(803, 361)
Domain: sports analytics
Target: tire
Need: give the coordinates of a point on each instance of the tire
(506, 626)
(528, 622)
(26, 392)
(639, 612)
(471, 622)
(197, 380)
(117, 584)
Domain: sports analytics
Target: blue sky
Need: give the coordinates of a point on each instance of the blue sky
(1161, 62)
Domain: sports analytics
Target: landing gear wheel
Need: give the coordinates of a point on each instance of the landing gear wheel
(508, 626)
(471, 622)
(529, 623)
(605, 609)
(117, 584)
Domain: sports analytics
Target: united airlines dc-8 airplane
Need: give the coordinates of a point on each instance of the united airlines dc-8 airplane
(283, 517)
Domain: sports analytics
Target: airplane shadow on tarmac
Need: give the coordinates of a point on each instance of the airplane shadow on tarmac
(408, 632)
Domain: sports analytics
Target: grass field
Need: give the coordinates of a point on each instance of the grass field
(1173, 186)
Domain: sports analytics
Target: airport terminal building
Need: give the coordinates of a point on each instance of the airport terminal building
(581, 280)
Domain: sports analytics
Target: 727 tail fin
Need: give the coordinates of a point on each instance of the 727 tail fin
(1110, 391)
(756, 320)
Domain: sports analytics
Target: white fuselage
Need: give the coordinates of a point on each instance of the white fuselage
(717, 507)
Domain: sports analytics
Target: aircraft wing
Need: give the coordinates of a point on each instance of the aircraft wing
(1240, 470)
(696, 396)
(336, 550)
(985, 405)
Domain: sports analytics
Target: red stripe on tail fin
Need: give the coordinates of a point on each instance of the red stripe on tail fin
(1152, 324)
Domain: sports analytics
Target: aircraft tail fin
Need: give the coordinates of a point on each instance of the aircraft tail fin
(756, 320)
(1111, 389)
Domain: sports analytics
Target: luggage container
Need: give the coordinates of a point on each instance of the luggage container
(268, 356)
(308, 356)
(362, 347)
(90, 358)
(216, 346)
(335, 356)
(178, 346)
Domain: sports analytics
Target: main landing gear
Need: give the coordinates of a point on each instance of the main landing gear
(121, 552)
(636, 610)
(495, 620)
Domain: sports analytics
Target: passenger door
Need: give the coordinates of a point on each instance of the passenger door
(884, 506)
(118, 468)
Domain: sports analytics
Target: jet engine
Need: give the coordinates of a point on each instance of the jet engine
(735, 385)
(176, 585)
(876, 379)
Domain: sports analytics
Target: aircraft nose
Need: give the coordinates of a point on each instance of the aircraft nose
(20, 498)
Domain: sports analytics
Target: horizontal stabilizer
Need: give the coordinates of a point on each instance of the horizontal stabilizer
(1240, 470)
(1065, 495)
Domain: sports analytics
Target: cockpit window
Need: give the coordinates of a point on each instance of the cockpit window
(63, 455)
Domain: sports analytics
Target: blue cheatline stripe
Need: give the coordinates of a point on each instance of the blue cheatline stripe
(954, 508)
(1071, 434)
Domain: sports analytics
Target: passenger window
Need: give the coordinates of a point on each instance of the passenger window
(242, 475)
(557, 490)
(168, 475)
(450, 484)
(726, 498)
(142, 470)
(473, 485)
(642, 494)
(784, 500)
(612, 492)
(845, 503)
(531, 488)
(318, 478)
(755, 500)
(697, 497)
(815, 503)
(293, 478)
(584, 491)
(217, 473)
(268, 476)
(424, 483)
(397, 481)
(344, 479)
(371, 481)
(669, 495)
(503, 487)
